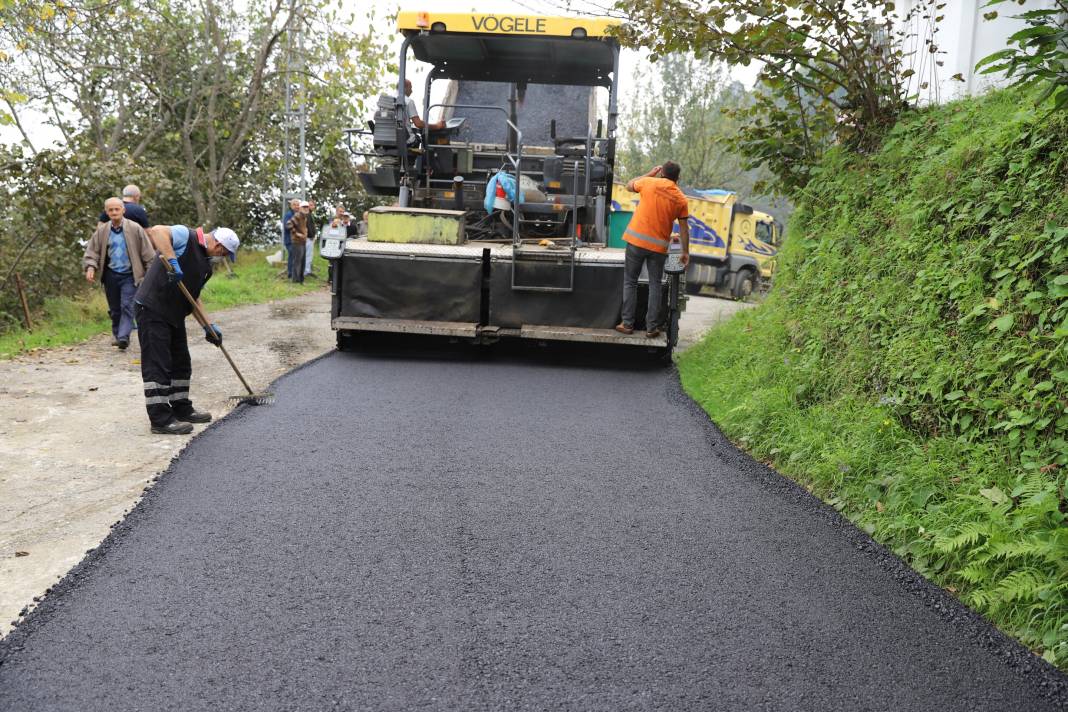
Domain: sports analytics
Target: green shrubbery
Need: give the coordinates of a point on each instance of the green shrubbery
(911, 365)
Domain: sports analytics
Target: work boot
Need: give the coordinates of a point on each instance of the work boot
(123, 344)
(624, 329)
(114, 341)
(653, 333)
(174, 427)
(193, 416)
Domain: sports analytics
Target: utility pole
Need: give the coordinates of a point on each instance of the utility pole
(294, 156)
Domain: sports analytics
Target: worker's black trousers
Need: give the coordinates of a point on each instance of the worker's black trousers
(165, 367)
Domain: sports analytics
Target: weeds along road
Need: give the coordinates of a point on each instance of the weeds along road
(465, 533)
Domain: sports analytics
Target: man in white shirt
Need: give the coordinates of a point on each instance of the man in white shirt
(413, 113)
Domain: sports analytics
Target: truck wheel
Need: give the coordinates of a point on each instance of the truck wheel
(745, 285)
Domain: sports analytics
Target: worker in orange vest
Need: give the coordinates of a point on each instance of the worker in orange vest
(648, 236)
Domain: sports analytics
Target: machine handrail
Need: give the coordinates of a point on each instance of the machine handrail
(349, 133)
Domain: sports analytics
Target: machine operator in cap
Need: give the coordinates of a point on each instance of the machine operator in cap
(161, 309)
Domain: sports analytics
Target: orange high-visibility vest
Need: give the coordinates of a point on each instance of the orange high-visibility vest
(661, 204)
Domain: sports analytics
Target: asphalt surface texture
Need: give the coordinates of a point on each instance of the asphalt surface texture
(460, 531)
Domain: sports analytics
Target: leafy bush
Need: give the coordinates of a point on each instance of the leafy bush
(1040, 55)
(53, 199)
(912, 364)
(828, 72)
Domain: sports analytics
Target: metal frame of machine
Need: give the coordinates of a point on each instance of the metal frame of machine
(537, 266)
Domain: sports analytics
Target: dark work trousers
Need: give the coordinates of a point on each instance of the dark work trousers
(119, 288)
(165, 366)
(298, 252)
(287, 245)
(634, 258)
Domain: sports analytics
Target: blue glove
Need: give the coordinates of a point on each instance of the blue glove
(174, 274)
(213, 334)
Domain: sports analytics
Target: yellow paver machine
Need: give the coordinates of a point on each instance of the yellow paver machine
(499, 227)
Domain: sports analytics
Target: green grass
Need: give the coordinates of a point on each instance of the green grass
(62, 321)
(911, 365)
(69, 320)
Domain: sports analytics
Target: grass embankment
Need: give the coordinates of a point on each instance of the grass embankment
(911, 365)
(69, 320)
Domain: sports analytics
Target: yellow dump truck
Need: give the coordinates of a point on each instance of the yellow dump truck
(732, 246)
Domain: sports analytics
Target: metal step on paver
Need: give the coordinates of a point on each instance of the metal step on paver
(407, 326)
(597, 336)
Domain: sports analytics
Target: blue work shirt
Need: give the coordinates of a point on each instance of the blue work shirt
(179, 238)
(118, 257)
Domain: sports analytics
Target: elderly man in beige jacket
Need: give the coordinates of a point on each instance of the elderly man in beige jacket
(120, 251)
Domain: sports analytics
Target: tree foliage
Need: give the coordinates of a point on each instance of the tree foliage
(184, 98)
(832, 71)
(195, 86)
(1041, 52)
(687, 110)
(52, 199)
(678, 113)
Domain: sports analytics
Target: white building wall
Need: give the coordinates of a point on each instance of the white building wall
(963, 38)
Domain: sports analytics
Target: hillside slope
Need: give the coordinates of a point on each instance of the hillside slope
(911, 364)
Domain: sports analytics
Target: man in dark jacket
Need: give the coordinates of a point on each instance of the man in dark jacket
(120, 252)
(287, 237)
(131, 200)
(161, 311)
(298, 234)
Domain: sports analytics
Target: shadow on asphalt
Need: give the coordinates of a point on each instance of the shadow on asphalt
(564, 354)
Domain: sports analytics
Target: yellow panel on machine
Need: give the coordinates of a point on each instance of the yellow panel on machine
(416, 226)
(505, 24)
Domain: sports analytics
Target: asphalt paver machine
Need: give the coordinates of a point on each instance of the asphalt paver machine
(500, 224)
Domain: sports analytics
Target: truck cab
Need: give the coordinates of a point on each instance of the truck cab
(755, 234)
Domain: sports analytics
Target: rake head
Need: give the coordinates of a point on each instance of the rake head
(251, 399)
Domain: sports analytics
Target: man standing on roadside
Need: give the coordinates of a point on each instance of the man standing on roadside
(119, 249)
(339, 216)
(648, 236)
(313, 233)
(161, 311)
(343, 218)
(287, 237)
(131, 199)
(298, 234)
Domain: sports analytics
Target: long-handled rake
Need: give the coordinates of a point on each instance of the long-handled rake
(252, 398)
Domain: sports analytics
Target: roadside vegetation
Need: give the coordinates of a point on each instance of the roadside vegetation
(62, 321)
(911, 365)
(190, 106)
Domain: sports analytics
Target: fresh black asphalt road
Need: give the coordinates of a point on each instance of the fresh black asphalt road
(453, 532)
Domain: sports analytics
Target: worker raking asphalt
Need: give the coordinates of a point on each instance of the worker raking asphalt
(451, 533)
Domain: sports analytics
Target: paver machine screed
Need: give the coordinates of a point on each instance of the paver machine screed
(500, 224)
